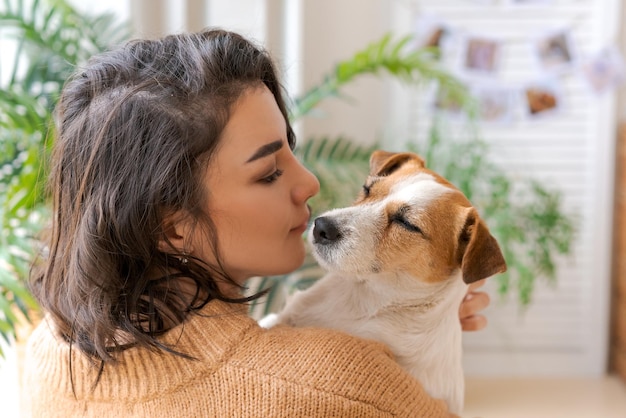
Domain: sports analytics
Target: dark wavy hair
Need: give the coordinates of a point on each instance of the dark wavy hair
(136, 128)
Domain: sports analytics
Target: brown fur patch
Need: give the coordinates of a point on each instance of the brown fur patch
(431, 256)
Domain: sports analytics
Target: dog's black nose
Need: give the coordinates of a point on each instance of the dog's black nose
(325, 231)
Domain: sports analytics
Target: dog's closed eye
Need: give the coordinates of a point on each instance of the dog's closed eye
(400, 219)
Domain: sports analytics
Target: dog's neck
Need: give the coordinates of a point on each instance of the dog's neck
(429, 317)
(376, 296)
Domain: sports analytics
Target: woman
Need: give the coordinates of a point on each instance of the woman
(174, 182)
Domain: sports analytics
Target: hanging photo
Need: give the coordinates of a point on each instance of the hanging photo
(481, 55)
(496, 104)
(430, 31)
(542, 98)
(555, 52)
(604, 71)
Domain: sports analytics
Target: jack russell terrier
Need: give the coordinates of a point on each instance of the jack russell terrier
(400, 260)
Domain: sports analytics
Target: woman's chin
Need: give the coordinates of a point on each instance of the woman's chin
(290, 264)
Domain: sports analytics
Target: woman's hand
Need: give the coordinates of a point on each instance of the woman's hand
(472, 304)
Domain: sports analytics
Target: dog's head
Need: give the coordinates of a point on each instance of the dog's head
(407, 219)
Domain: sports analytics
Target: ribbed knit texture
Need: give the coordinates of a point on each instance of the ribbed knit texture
(241, 370)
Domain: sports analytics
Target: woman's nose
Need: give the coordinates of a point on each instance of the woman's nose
(306, 186)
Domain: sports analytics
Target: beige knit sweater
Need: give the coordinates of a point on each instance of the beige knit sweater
(241, 370)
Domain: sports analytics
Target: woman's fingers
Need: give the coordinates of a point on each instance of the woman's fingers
(474, 323)
(472, 304)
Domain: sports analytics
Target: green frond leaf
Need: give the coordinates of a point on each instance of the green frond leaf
(385, 55)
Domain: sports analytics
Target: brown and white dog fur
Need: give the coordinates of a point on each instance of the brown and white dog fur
(399, 261)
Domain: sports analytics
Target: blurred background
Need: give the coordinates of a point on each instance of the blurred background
(519, 102)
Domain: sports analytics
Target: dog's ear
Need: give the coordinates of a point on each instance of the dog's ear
(479, 251)
(383, 163)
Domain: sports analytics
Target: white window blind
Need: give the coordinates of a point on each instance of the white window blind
(564, 332)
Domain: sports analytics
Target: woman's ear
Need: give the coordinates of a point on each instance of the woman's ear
(175, 234)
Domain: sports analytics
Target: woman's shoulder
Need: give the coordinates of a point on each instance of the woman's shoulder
(337, 364)
(316, 353)
(321, 344)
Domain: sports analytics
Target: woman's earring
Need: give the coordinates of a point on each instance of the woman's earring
(184, 259)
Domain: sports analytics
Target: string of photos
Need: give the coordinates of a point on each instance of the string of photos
(552, 55)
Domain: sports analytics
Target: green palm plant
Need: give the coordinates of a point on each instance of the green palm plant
(50, 38)
(396, 58)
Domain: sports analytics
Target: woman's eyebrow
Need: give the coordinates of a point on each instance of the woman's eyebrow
(266, 150)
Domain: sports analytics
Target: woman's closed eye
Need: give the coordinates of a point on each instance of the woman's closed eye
(272, 177)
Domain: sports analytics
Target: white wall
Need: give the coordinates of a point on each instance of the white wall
(333, 31)
(120, 7)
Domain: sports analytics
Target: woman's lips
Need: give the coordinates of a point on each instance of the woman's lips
(303, 226)
(300, 229)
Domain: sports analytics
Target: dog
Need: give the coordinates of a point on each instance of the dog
(399, 262)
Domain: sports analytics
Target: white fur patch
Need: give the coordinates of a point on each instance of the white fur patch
(418, 190)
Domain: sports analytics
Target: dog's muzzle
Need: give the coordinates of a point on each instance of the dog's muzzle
(325, 231)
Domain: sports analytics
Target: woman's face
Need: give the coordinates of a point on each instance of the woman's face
(257, 193)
